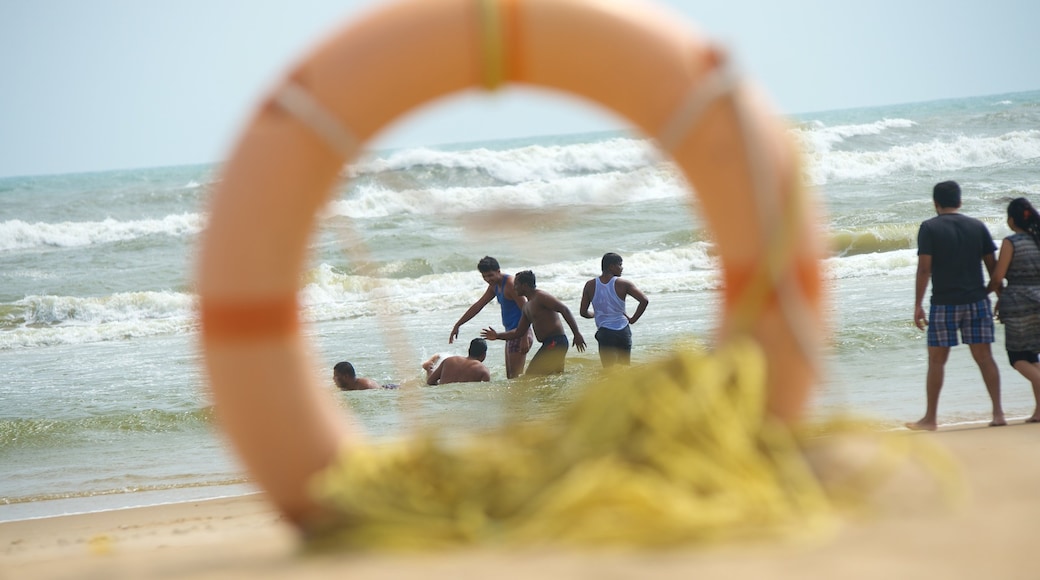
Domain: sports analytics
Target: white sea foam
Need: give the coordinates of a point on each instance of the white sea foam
(331, 294)
(334, 295)
(26, 337)
(630, 170)
(31, 274)
(19, 235)
(641, 185)
(818, 137)
(50, 320)
(896, 264)
(121, 307)
(524, 164)
(937, 155)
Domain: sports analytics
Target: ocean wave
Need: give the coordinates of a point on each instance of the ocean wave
(873, 239)
(20, 235)
(122, 307)
(329, 293)
(817, 137)
(515, 165)
(937, 155)
(633, 187)
(49, 432)
(410, 287)
(332, 294)
(34, 337)
(898, 263)
(629, 170)
(36, 321)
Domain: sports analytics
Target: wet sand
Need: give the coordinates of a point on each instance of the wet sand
(991, 535)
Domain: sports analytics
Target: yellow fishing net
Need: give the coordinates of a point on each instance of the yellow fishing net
(678, 451)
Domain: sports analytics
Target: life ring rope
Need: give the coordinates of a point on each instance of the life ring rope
(767, 279)
(720, 82)
(770, 277)
(492, 45)
(298, 102)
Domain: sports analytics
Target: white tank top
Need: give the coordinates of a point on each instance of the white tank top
(608, 309)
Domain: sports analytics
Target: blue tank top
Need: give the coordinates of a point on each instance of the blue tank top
(510, 311)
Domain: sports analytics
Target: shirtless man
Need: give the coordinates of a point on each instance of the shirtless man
(458, 369)
(500, 286)
(346, 378)
(606, 294)
(542, 312)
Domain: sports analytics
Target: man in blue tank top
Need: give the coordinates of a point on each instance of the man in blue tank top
(606, 294)
(500, 287)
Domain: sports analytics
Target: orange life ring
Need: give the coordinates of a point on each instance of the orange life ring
(629, 57)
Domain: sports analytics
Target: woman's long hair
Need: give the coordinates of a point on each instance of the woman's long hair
(1023, 214)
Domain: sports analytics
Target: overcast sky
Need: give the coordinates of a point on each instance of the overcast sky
(94, 85)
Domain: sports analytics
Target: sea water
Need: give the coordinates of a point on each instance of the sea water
(103, 402)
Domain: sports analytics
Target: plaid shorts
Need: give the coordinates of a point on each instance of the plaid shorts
(975, 321)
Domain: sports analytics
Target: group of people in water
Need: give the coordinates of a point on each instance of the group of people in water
(951, 249)
(530, 314)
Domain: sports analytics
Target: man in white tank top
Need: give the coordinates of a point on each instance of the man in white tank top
(606, 294)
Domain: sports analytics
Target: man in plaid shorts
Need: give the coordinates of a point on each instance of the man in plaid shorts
(951, 249)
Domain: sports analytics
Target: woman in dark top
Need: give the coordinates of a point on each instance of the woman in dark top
(1018, 305)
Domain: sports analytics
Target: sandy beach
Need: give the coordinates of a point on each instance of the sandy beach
(992, 535)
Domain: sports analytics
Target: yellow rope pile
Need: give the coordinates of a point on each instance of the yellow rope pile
(679, 451)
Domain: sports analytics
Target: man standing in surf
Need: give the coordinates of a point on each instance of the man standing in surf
(542, 312)
(500, 287)
(951, 249)
(606, 294)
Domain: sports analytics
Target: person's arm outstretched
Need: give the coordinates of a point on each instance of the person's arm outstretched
(490, 333)
(473, 310)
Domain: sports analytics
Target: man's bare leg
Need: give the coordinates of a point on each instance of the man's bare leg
(937, 357)
(515, 362)
(983, 355)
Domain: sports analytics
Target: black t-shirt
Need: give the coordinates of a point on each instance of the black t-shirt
(956, 244)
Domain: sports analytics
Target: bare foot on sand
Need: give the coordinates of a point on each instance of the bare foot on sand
(921, 425)
(1033, 419)
(998, 421)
